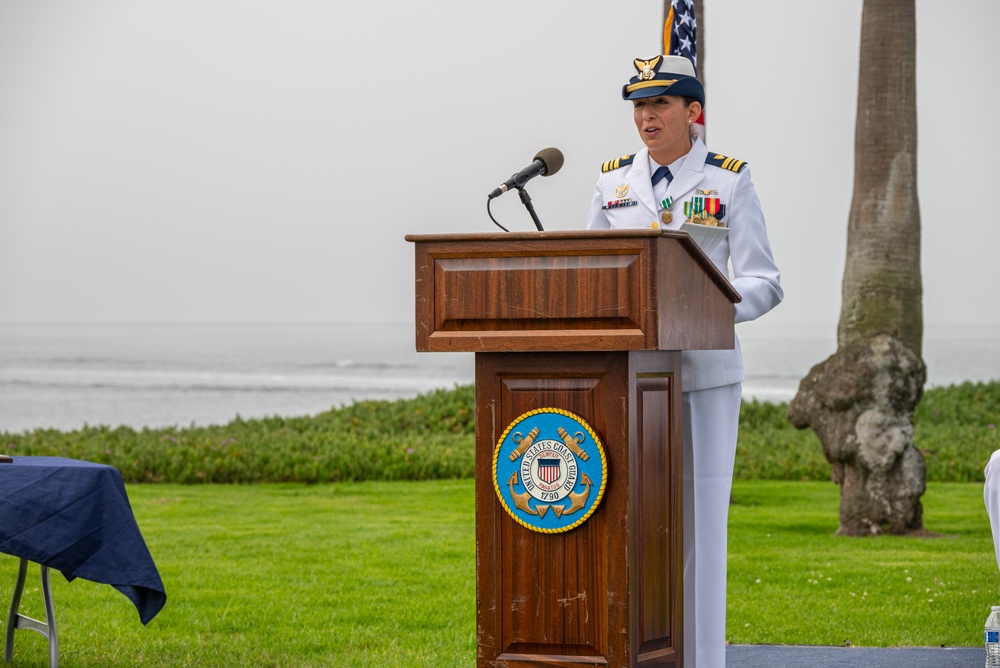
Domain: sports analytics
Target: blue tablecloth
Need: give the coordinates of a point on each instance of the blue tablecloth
(75, 517)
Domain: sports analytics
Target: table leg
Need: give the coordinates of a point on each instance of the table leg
(15, 620)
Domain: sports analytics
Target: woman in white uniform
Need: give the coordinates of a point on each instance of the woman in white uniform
(671, 180)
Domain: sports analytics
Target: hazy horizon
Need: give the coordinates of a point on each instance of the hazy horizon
(232, 162)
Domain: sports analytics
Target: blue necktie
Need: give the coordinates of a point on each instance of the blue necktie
(660, 174)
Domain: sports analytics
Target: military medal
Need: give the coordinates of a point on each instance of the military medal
(666, 217)
(621, 191)
(695, 210)
(712, 207)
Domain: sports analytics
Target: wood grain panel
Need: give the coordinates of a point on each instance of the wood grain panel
(653, 573)
(593, 290)
(583, 597)
(531, 291)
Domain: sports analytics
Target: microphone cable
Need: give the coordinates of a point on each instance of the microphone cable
(490, 214)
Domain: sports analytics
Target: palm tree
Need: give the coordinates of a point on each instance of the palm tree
(860, 401)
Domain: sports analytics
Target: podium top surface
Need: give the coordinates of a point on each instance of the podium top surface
(636, 289)
(547, 234)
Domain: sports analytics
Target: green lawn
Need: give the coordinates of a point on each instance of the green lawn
(792, 581)
(370, 574)
(383, 574)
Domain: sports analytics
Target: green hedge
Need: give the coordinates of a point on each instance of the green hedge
(954, 427)
(431, 437)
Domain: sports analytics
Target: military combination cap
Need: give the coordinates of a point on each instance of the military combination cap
(664, 75)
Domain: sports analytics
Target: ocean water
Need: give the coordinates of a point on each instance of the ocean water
(66, 376)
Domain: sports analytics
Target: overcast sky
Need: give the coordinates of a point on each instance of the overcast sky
(241, 161)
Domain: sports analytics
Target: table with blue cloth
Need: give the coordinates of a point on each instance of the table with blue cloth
(73, 516)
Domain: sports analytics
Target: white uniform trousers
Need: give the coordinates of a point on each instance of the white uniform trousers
(991, 495)
(711, 421)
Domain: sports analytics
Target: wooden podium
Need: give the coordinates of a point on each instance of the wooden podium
(589, 322)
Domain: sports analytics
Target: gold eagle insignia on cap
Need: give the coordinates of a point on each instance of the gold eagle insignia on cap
(647, 69)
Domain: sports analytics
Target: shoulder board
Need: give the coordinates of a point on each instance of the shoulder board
(719, 160)
(617, 162)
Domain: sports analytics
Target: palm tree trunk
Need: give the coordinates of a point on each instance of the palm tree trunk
(882, 290)
(860, 401)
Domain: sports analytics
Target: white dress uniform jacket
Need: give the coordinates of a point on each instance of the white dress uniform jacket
(710, 379)
(746, 247)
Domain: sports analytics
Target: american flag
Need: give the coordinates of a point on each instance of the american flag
(680, 31)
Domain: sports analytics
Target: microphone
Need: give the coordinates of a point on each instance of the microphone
(547, 162)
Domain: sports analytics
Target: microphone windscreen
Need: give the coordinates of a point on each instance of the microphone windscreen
(553, 159)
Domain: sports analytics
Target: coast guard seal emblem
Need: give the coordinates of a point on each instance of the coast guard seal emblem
(549, 470)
